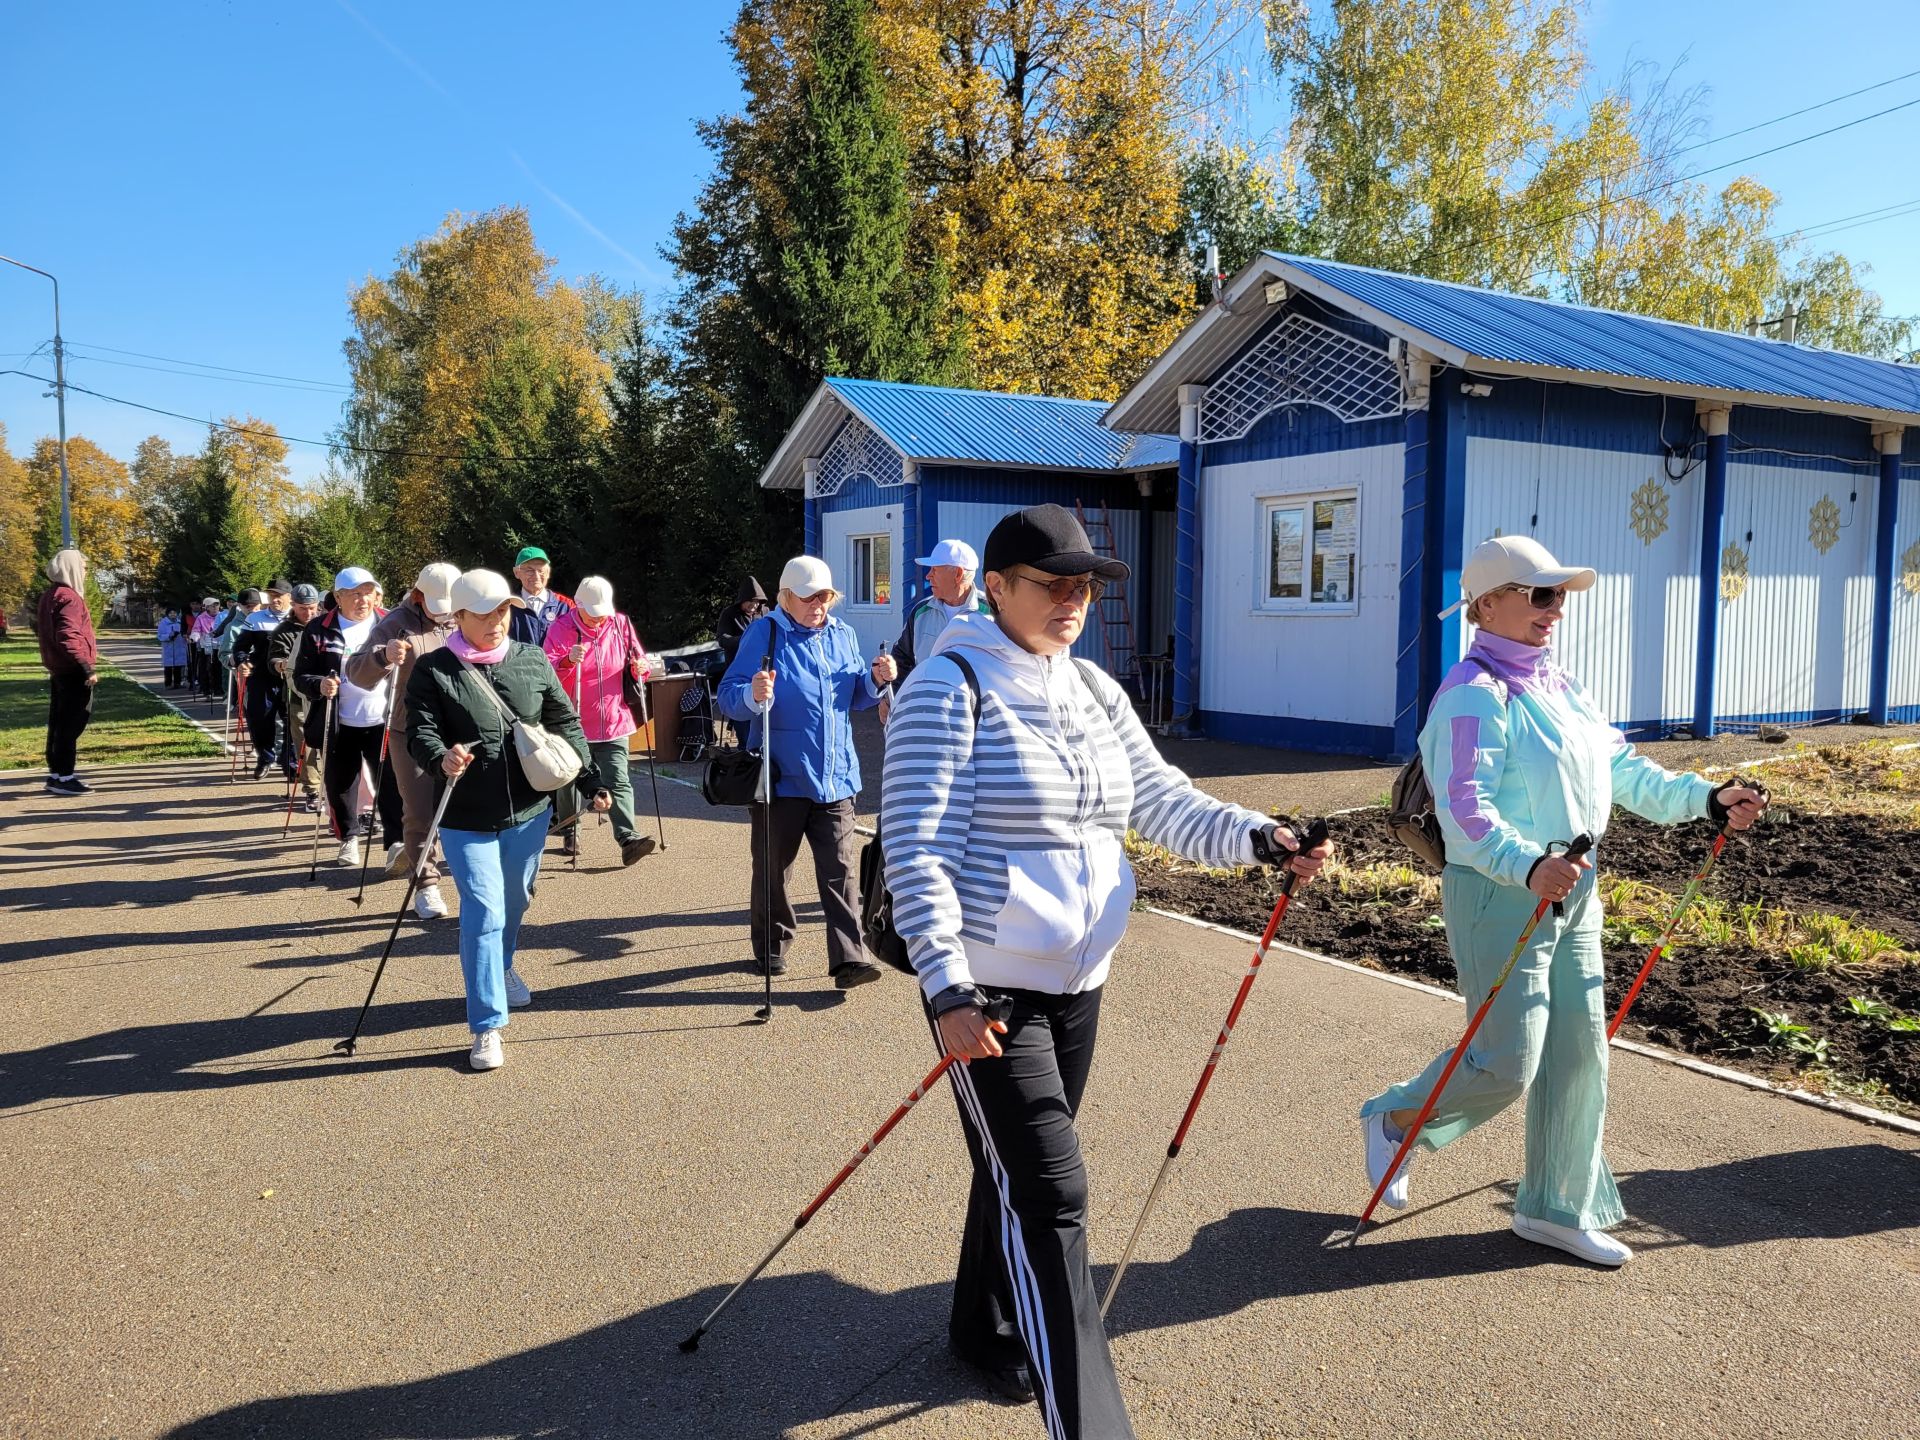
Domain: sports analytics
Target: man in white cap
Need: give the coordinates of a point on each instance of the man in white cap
(417, 626)
(358, 714)
(950, 592)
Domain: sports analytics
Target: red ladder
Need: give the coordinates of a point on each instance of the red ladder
(1115, 615)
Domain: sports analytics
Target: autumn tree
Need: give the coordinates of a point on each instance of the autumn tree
(161, 483)
(258, 458)
(19, 530)
(100, 500)
(326, 532)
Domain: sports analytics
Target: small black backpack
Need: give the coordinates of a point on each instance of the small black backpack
(1410, 809)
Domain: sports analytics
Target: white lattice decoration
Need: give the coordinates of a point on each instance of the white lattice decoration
(1302, 362)
(857, 450)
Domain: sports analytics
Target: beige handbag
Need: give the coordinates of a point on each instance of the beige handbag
(548, 760)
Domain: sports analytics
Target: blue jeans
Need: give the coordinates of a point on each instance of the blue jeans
(494, 872)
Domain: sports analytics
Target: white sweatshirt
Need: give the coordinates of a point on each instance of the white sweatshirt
(1004, 845)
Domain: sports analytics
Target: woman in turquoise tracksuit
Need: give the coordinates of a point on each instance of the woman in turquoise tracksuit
(1519, 757)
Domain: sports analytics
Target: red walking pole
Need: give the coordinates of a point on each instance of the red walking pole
(1315, 833)
(998, 1010)
(1666, 936)
(1580, 846)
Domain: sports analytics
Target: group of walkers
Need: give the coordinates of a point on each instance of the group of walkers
(1013, 773)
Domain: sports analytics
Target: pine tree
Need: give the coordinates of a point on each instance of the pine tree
(232, 549)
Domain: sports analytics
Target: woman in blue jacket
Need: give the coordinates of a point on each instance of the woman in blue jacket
(807, 696)
(1521, 759)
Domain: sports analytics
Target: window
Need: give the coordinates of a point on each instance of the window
(1310, 553)
(872, 570)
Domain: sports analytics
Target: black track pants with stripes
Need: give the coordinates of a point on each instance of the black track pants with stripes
(1024, 1291)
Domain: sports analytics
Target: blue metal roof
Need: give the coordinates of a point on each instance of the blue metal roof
(933, 423)
(1518, 330)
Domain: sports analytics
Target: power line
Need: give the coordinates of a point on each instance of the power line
(204, 365)
(305, 387)
(1796, 114)
(1859, 214)
(1835, 227)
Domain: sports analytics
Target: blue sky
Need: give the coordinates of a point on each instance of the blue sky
(210, 179)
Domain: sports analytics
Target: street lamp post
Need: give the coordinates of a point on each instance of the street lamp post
(60, 399)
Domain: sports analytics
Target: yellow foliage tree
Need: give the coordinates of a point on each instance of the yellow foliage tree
(19, 527)
(100, 496)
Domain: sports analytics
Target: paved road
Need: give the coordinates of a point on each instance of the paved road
(217, 1227)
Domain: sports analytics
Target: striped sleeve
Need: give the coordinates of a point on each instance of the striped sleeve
(1464, 749)
(926, 809)
(1167, 808)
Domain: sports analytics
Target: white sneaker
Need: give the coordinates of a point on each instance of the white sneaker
(427, 903)
(349, 852)
(518, 994)
(1380, 1153)
(488, 1053)
(1596, 1247)
(396, 860)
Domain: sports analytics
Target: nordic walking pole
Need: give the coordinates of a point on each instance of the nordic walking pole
(1580, 845)
(653, 744)
(386, 738)
(1687, 898)
(1310, 840)
(239, 711)
(293, 782)
(997, 1010)
(326, 801)
(413, 883)
(763, 796)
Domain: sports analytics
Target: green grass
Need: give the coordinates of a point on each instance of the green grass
(129, 725)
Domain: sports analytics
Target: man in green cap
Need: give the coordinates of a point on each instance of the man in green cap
(543, 606)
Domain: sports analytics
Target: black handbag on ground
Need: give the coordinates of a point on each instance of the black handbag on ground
(877, 930)
(733, 771)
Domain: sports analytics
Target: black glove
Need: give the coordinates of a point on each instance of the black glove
(1717, 808)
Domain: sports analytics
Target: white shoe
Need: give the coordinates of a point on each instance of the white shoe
(1380, 1153)
(518, 994)
(1596, 1247)
(427, 903)
(349, 852)
(488, 1053)
(396, 860)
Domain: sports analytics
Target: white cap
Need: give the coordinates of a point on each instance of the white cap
(594, 596)
(952, 552)
(483, 592)
(1513, 560)
(352, 578)
(806, 575)
(436, 588)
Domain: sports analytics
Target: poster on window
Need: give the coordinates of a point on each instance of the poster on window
(1286, 547)
(1333, 551)
(883, 570)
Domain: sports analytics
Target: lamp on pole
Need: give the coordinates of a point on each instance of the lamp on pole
(60, 398)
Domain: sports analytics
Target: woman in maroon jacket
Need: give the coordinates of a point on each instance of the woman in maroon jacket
(68, 651)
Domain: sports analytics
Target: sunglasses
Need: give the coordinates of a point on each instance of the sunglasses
(1540, 597)
(1068, 587)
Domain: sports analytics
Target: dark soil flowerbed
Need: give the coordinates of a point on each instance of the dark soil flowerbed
(1702, 998)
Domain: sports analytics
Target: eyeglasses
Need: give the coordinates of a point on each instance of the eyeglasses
(1540, 597)
(1068, 587)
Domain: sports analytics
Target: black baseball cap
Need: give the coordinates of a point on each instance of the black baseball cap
(250, 596)
(1048, 538)
(279, 587)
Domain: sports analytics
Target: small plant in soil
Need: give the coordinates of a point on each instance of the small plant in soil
(1784, 1034)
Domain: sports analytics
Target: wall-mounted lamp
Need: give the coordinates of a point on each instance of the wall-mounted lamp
(1276, 292)
(1479, 391)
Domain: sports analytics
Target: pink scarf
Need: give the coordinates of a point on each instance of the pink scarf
(467, 651)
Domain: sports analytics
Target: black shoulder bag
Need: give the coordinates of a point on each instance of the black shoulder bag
(733, 771)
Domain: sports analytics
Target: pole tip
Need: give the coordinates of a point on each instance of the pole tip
(345, 1047)
(690, 1344)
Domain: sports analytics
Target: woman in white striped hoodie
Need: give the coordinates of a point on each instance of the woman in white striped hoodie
(1013, 773)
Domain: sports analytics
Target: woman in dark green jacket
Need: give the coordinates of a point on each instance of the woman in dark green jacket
(495, 823)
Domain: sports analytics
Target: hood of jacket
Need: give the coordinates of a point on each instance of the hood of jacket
(68, 567)
(749, 590)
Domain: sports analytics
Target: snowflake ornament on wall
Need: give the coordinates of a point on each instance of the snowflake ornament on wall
(1910, 569)
(1648, 515)
(1823, 524)
(1733, 573)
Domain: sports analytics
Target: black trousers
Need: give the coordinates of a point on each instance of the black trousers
(829, 834)
(68, 711)
(1024, 1292)
(266, 717)
(349, 748)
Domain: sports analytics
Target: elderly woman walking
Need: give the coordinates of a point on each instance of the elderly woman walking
(594, 650)
(1013, 774)
(808, 695)
(1521, 761)
(173, 648)
(357, 714)
(71, 654)
(463, 701)
(417, 626)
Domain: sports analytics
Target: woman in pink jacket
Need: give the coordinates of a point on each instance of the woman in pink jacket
(591, 646)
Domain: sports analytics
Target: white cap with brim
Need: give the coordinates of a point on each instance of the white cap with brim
(594, 596)
(483, 592)
(435, 585)
(806, 575)
(1514, 560)
(352, 578)
(951, 552)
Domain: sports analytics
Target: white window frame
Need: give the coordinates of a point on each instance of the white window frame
(1313, 542)
(860, 571)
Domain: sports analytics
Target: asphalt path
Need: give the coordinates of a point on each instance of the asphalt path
(216, 1226)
